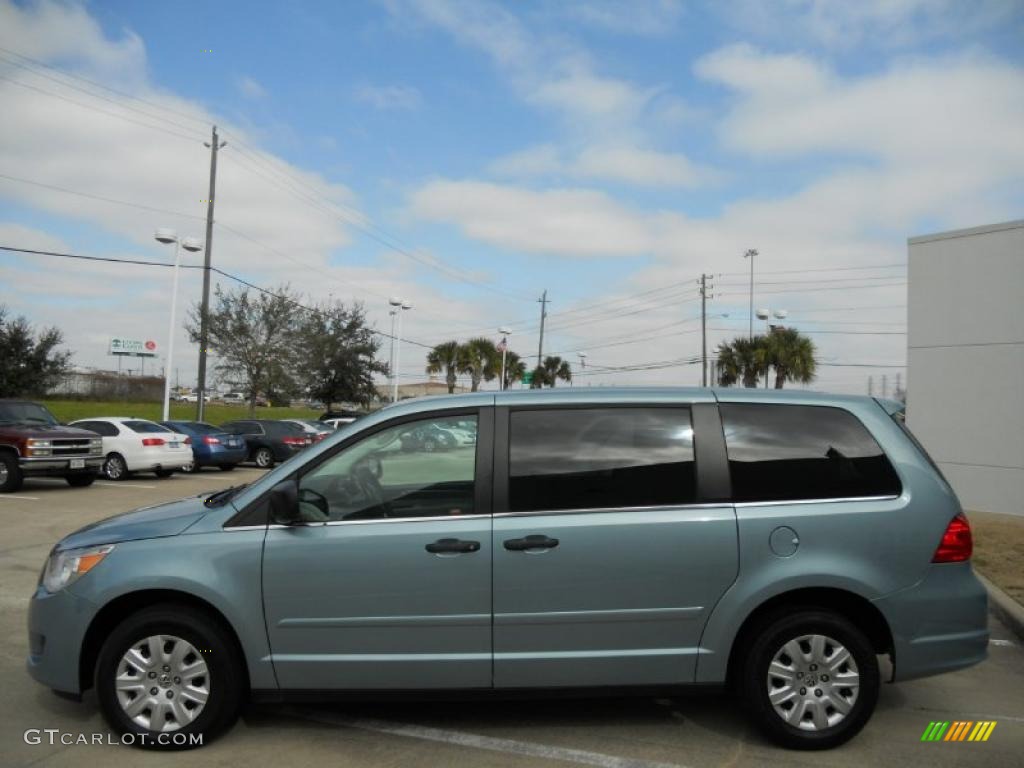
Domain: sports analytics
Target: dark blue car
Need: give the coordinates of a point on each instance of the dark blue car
(211, 446)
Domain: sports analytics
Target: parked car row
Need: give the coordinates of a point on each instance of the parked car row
(33, 443)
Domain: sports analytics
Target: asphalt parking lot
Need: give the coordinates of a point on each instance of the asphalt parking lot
(611, 733)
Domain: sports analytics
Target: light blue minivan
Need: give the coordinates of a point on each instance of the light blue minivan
(580, 540)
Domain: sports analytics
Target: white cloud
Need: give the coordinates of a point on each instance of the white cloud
(605, 118)
(841, 24)
(251, 89)
(615, 164)
(389, 96)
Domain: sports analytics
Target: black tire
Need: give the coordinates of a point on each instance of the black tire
(227, 684)
(11, 477)
(263, 457)
(768, 640)
(162, 473)
(115, 468)
(226, 467)
(80, 481)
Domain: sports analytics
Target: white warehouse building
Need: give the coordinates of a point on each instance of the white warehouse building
(965, 360)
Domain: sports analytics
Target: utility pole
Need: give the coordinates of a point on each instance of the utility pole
(871, 386)
(885, 386)
(215, 144)
(543, 315)
(704, 328)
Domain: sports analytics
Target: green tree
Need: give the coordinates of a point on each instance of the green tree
(338, 352)
(30, 363)
(481, 359)
(447, 358)
(256, 340)
(550, 371)
(740, 360)
(793, 356)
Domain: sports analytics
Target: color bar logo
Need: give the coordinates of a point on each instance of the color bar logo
(959, 730)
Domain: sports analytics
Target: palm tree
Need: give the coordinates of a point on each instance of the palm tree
(479, 358)
(515, 368)
(791, 355)
(556, 368)
(740, 360)
(445, 357)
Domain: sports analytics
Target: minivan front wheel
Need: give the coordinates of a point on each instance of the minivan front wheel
(167, 675)
(264, 458)
(810, 679)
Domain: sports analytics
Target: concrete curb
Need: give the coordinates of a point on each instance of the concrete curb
(1005, 607)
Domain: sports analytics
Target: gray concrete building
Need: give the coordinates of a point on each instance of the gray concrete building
(965, 360)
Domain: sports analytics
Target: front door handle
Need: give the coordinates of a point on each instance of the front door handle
(530, 542)
(447, 546)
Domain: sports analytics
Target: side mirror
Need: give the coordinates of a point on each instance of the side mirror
(284, 503)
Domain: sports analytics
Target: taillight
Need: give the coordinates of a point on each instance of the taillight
(957, 542)
(294, 441)
(207, 440)
(188, 441)
(152, 441)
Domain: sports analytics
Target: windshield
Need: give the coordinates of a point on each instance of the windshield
(25, 413)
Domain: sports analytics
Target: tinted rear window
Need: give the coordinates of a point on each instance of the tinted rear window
(145, 427)
(600, 458)
(795, 452)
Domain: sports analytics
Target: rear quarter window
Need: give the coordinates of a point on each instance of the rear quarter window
(798, 452)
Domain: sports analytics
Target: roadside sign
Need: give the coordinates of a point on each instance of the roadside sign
(132, 347)
(528, 378)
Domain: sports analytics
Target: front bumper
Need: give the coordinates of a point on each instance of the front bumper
(940, 624)
(56, 628)
(35, 466)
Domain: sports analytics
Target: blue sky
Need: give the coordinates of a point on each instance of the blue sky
(608, 152)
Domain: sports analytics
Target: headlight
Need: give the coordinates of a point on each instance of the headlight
(36, 443)
(64, 568)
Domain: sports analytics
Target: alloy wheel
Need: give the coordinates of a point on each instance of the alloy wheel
(114, 467)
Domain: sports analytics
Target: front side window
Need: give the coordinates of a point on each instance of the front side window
(415, 469)
(600, 458)
(795, 452)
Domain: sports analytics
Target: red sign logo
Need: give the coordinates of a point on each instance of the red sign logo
(150, 345)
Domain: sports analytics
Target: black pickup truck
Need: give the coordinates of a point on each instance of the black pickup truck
(34, 444)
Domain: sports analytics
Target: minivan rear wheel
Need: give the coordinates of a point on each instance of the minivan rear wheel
(810, 679)
(167, 674)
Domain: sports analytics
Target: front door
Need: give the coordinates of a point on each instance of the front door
(606, 565)
(387, 582)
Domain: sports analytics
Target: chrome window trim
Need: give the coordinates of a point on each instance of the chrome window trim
(830, 500)
(433, 518)
(599, 510)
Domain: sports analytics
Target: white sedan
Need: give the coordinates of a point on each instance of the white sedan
(138, 445)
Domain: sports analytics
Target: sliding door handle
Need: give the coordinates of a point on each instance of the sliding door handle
(530, 543)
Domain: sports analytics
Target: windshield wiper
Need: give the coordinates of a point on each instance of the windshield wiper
(224, 495)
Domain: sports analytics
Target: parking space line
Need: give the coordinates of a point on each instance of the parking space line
(110, 484)
(995, 641)
(490, 743)
(28, 498)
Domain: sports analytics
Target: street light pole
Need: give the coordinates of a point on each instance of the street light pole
(750, 254)
(400, 307)
(391, 359)
(505, 333)
(168, 236)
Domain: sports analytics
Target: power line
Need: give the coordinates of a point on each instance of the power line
(223, 273)
(97, 109)
(820, 269)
